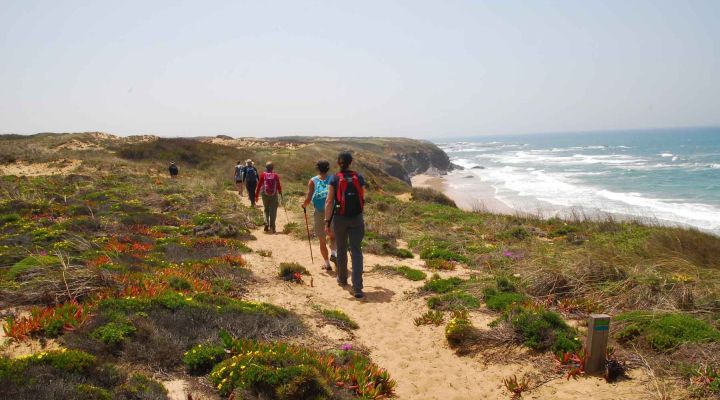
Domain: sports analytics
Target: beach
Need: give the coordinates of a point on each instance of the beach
(480, 198)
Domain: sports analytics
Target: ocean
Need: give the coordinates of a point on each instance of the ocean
(666, 176)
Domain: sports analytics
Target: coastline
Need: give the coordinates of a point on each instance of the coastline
(482, 197)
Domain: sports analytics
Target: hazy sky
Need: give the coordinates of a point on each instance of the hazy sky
(410, 68)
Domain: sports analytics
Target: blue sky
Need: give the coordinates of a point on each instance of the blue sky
(406, 68)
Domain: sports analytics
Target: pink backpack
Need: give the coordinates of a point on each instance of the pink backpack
(270, 183)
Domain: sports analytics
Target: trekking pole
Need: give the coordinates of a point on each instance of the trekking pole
(307, 227)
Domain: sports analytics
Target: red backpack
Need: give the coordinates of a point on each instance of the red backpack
(350, 195)
(270, 183)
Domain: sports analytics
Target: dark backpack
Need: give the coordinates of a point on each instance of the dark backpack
(251, 175)
(349, 195)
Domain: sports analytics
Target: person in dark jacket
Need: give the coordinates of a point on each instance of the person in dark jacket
(173, 169)
(250, 177)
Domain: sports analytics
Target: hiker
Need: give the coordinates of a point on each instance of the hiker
(239, 176)
(173, 170)
(250, 176)
(344, 220)
(317, 195)
(269, 187)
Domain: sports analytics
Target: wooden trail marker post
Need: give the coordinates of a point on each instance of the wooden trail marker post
(596, 344)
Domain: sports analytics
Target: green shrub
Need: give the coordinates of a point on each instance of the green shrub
(564, 230)
(204, 219)
(179, 283)
(12, 217)
(665, 331)
(504, 284)
(145, 219)
(440, 264)
(71, 374)
(288, 269)
(402, 253)
(291, 227)
(411, 273)
(499, 301)
(264, 253)
(288, 372)
(516, 232)
(456, 300)
(438, 285)
(71, 361)
(431, 196)
(141, 387)
(113, 333)
(430, 318)
(442, 253)
(202, 358)
(542, 329)
(90, 392)
(29, 263)
(459, 329)
(339, 318)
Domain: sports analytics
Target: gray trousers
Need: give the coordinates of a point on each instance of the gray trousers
(270, 203)
(350, 229)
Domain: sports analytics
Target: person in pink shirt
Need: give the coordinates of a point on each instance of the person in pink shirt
(269, 188)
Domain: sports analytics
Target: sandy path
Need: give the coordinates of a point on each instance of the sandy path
(418, 358)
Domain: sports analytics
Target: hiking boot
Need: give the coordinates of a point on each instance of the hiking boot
(342, 283)
(266, 228)
(272, 230)
(333, 259)
(359, 294)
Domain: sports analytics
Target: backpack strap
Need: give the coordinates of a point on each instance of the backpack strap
(360, 190)
(342, 186)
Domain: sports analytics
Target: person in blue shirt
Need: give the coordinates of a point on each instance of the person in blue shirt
(317, 195)
(344, 221)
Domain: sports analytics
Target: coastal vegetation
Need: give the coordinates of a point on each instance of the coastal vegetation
(124, 269)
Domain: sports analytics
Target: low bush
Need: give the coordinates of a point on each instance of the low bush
(459, 329)
(338, 318)
(440, 264)
(203, 357)
(515, 233)
(113, 333)
(430, 318)
(289, 372)
(456, 300)
(409, 273)
(499, 301)
(71, 374)
(439, 285)
(705, 381)
(290, 270)
(431, 196)
(28, 263)
(168, 324)
(139, 386)
(179, 283)
(442, 253)
(542, 329)
(664, 331)
(503, 295)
